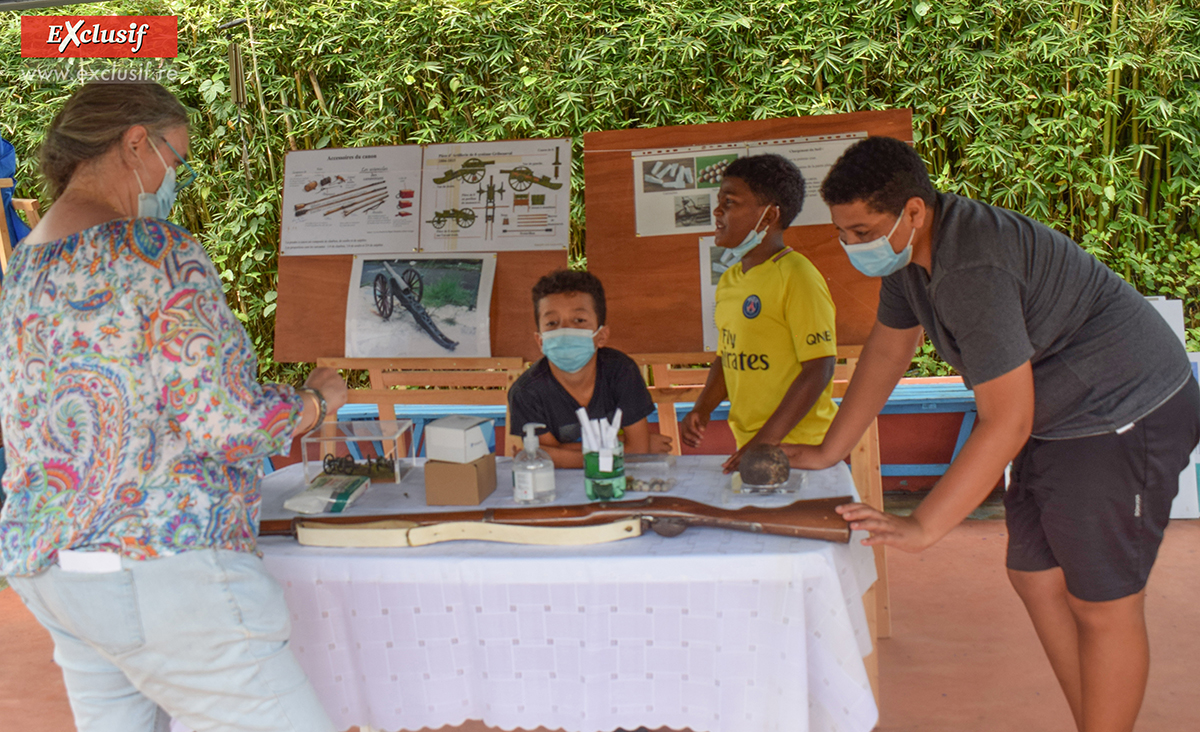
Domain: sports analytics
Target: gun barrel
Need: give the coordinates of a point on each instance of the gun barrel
(805, 519)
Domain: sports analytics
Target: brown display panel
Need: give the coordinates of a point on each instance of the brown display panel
(310, 320)
(653, 283)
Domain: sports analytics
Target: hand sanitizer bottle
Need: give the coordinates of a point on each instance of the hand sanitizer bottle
(533, 471)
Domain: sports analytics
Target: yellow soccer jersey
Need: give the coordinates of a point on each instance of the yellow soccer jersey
(771, 319)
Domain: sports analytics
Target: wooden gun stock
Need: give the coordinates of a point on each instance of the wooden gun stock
(808, 519)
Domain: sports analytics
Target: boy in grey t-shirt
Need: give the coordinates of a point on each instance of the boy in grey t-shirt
(1078, 382)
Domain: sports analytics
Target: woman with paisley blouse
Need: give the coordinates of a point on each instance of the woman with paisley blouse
(135, 426)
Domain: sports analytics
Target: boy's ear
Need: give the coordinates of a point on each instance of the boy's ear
(772, 217)
(538, 337)
(601, 336)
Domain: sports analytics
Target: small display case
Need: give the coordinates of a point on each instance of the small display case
(649, 473)
(796, 482)
(383, 450)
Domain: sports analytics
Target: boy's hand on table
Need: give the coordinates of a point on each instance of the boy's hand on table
(735, 459)
(660, 444)
(902, 532)
(692, 431)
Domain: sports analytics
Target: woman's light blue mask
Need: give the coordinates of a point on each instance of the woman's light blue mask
(753, 238)
(877, 258)
(569, 348)
(157, 204)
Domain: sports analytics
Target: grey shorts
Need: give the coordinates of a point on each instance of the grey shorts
(1098, 506)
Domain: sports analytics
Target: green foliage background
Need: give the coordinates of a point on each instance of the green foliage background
(1081, 114)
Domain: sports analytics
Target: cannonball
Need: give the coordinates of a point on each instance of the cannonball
(764, 465)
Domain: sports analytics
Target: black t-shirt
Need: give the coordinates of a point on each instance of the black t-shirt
(538, 397)
(1005, 289)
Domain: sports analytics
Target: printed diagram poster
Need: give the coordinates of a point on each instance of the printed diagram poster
(814, 156)
(675, 188)
(496, 196)
(710, 254)
(420, 305)
(351, 201)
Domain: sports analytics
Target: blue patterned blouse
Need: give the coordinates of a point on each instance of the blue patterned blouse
(132, 415)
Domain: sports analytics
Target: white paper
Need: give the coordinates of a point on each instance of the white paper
(675, 188)
(496, 196)
(351, 201)
(814, 156)
(455, 291)
(709, 253)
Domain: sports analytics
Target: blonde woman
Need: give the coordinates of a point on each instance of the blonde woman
(134, 426)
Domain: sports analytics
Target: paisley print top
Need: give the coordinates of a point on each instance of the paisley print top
(132, 415)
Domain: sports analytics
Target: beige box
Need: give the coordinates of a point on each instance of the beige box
(459, 484)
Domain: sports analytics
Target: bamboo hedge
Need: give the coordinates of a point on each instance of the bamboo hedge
(1081, 114)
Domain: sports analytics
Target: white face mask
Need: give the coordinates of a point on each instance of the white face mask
(877, 258)
(159, 203)
(753, 238)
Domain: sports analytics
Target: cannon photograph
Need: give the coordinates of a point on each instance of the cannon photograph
(419, 306)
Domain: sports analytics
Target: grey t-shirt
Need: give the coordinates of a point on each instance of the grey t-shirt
(1006, 289)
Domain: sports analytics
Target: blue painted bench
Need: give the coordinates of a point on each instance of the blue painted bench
(909, 397)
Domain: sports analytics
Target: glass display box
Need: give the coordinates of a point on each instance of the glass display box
(384, 450)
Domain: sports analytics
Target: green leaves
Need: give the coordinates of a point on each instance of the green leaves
(1044, 107)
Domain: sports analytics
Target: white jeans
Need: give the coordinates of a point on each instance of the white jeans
(200, 636)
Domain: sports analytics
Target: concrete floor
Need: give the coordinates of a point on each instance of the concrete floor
(962, 655)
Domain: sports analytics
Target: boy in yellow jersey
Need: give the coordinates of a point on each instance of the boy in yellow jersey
(775, 316)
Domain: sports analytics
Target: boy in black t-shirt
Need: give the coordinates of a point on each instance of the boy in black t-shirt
(577, 370)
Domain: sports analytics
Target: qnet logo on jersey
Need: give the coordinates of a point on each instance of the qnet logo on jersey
(99, 36)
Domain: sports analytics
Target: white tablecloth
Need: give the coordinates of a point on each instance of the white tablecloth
(712, 630)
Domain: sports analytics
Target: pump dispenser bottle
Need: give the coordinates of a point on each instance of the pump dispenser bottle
(533, 470)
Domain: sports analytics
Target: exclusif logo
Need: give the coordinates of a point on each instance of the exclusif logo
(99, 36)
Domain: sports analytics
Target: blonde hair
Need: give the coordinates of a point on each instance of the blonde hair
(96, 117)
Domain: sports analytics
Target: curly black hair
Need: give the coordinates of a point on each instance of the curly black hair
(566, 281)
(881, 171)
(773, 179)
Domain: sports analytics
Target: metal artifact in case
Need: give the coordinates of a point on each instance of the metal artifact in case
(383, 450)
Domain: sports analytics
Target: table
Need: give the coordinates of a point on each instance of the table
(711, 630)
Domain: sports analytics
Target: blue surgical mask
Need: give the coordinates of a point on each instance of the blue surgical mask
(753, 238)
(159, 203)
(569, 348)
(877, 258)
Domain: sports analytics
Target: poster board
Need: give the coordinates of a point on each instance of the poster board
(313, 289)
(310, 321)
(496, 196)
(351, 201)
(651, 282)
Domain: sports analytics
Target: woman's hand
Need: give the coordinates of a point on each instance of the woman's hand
(902, 532)
(331, 385)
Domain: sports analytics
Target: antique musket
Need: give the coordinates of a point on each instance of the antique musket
(665, 515)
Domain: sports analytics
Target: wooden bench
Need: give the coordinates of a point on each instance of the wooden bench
(397, 381)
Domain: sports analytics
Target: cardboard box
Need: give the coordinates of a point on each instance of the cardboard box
(459, 438)
(459, 484)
